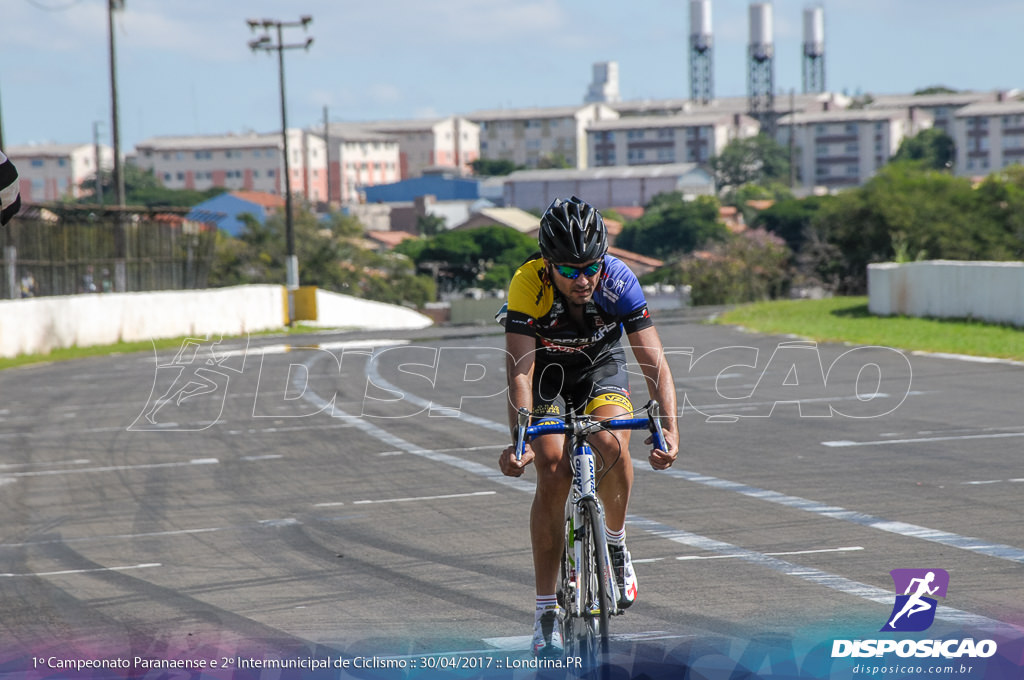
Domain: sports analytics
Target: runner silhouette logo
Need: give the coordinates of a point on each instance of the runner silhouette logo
(916, 590)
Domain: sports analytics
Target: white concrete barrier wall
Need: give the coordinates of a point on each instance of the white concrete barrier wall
(344, 311)
(40, 325)
(988, 291)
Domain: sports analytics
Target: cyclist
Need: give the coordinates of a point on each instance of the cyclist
(566, 312)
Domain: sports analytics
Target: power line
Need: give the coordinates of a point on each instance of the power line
(53, 8)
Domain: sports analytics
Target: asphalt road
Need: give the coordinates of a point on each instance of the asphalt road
(256, 498)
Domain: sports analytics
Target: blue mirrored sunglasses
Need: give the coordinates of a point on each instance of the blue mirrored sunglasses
(573, 272)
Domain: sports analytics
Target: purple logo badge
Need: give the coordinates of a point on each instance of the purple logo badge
(916, 590)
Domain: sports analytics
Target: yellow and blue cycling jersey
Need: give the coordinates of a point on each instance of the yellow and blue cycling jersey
(537, 309)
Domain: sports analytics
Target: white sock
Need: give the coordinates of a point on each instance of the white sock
(546, 603)
(616, 537)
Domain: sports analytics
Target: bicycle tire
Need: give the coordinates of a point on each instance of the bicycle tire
(595, 587)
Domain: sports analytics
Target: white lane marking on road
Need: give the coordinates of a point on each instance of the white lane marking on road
(997, 481)
(286, 349)
(294, 428)
(967, 357)
(78, 461)
(426, 498)
(334, 504)
(64, 432)
(488, 447)
(269, 456)
(108, 537)
(149, 565)
(772, 554)
(113, 468)
(819, 577)
(1005, 552)
(922, 440)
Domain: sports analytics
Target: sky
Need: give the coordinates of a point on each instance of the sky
(184, 66)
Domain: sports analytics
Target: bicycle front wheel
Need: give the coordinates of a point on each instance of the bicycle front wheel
(595, 574)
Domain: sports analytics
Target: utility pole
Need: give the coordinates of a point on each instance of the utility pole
(792, 139)
(120, 246)
(99, 161)
(266, 44)
(327, 150)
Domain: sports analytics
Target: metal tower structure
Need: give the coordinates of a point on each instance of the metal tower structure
(761, 67)
(814, 50)
(702, 79)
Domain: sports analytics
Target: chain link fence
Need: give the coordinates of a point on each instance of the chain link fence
(66, 250)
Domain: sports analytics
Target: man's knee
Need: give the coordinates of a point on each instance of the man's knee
(549, 459)
(611, 442)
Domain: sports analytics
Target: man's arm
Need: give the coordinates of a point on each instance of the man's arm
(519, 372)
(519, 364)
(650, 354)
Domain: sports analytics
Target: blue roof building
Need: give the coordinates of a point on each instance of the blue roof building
(231, 205)
(444, 187)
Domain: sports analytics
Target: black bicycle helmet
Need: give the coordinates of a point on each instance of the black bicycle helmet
(572, 232)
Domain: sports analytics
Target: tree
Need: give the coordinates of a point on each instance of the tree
(430, 225)
(925, 212)
(484, 257)
(934, 89)
(494, 167)
(757, 160)
(330, 256)
(671, 225)
(790, 219)
(932, 147)
(143, 188)
(554, 160)
(753, 265)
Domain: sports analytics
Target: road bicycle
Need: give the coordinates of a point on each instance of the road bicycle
(588, 592)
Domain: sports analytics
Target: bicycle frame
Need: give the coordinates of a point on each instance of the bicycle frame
(589, 592)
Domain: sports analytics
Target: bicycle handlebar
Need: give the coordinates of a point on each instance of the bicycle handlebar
(586, 425)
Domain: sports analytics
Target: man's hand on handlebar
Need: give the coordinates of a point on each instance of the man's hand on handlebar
(662, 460)
(510, 466)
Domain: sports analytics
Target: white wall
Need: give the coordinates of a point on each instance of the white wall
(40, 325)
(988, 291)
(344, 311)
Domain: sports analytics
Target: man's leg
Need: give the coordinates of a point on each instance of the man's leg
(547, 537)
(554, 476)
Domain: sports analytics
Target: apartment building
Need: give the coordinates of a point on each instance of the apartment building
(359, 157)
(606, 187)
(528, 136)
(988, 137)
(659, 140)
(941, 106)
(840, 149)
(250, 161)
(452, 142)
(50, 172)
(799, 103)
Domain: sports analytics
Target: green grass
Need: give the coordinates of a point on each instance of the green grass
(70, 353)
(846, 319)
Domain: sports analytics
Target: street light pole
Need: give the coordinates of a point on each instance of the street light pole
(266, 44)
(120, 244)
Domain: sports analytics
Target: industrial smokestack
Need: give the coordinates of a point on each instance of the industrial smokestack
(701, 52)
